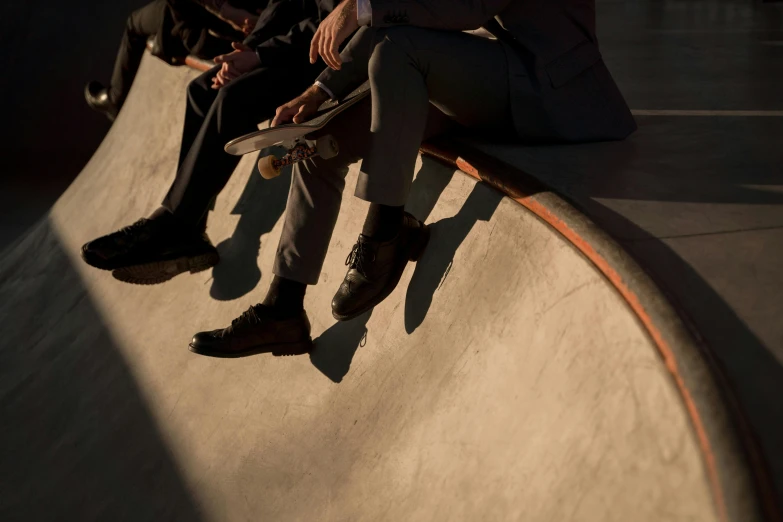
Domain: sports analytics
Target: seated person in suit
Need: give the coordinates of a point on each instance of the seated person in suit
(541, 78)
(203, 28)
(225, 102)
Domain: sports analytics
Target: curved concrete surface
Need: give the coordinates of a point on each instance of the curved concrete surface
(505, 379)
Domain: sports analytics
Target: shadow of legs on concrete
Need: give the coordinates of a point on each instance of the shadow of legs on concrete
(446, 237)
(260, 207)
(335, 348)
(431, 180)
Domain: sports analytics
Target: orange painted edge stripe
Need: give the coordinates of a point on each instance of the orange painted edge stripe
(198, 63)
(630, 297)
(191, 61)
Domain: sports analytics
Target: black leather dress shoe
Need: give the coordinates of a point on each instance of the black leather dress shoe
(98, 99)
(375, 268)
(151, 251)
(256, 331)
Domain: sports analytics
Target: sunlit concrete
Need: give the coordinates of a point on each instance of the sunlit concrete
(505, 379)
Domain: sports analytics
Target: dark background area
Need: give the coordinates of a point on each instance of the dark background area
(49, 49)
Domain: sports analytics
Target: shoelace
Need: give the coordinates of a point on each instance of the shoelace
(128, 237)
(130, 229)
(248, 316)
(358, 257)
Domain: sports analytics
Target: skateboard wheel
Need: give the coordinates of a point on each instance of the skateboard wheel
(267, 169)
(327, 147)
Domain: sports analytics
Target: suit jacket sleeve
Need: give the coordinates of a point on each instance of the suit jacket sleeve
(291, 47)
(455, 15)
(353, 72)
(279, 17)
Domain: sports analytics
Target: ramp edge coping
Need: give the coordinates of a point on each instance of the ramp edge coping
(739, 480)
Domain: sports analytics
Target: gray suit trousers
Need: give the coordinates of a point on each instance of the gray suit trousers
(424, 83)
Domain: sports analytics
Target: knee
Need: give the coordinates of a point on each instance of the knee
(402, 37)
(131, 25)
(396, 47)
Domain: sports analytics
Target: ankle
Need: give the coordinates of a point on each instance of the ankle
(164, 215)
(383, 222)
(285, 297)
(161, 213)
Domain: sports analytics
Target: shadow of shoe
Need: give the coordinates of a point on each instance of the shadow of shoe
(334, 349)
(260, 207)
(445, 238)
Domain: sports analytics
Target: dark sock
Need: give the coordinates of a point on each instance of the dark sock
(285, 297)
(165, 214)
(383, 222)
(201, 226)
(160, 213)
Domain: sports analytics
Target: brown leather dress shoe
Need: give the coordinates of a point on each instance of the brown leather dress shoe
(256, 331)
(375, 268)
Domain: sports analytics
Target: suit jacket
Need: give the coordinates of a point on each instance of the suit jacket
(185, 27)
(560, 88)
(285, 28)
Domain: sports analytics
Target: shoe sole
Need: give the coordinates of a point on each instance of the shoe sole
(162, 271)
(278, 350)
(416, 251)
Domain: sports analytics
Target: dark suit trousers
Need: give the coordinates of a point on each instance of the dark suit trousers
(424, 83)
(214, 117)
(140, 25)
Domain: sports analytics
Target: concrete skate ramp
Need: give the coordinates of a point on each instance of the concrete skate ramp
(505, 379)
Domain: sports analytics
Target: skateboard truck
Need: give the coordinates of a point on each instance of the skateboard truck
(301, 149)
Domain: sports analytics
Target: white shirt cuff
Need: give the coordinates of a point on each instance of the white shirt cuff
(363, 12)
(325, 89)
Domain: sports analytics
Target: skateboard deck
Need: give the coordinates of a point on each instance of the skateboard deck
(293, 132)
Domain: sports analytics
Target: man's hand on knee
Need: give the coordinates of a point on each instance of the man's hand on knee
(234, 64)
(300, 108)
(332, 32)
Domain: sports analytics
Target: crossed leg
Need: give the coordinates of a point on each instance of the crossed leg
(424, 83)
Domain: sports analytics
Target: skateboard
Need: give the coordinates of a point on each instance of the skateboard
(293, 136)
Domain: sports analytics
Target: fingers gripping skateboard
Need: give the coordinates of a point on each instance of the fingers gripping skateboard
(270, 166)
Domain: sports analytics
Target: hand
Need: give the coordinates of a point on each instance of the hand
(239, 19)
(248, 24)
(332, 32)
(235, 64)
(301, 108)
(223, 77)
